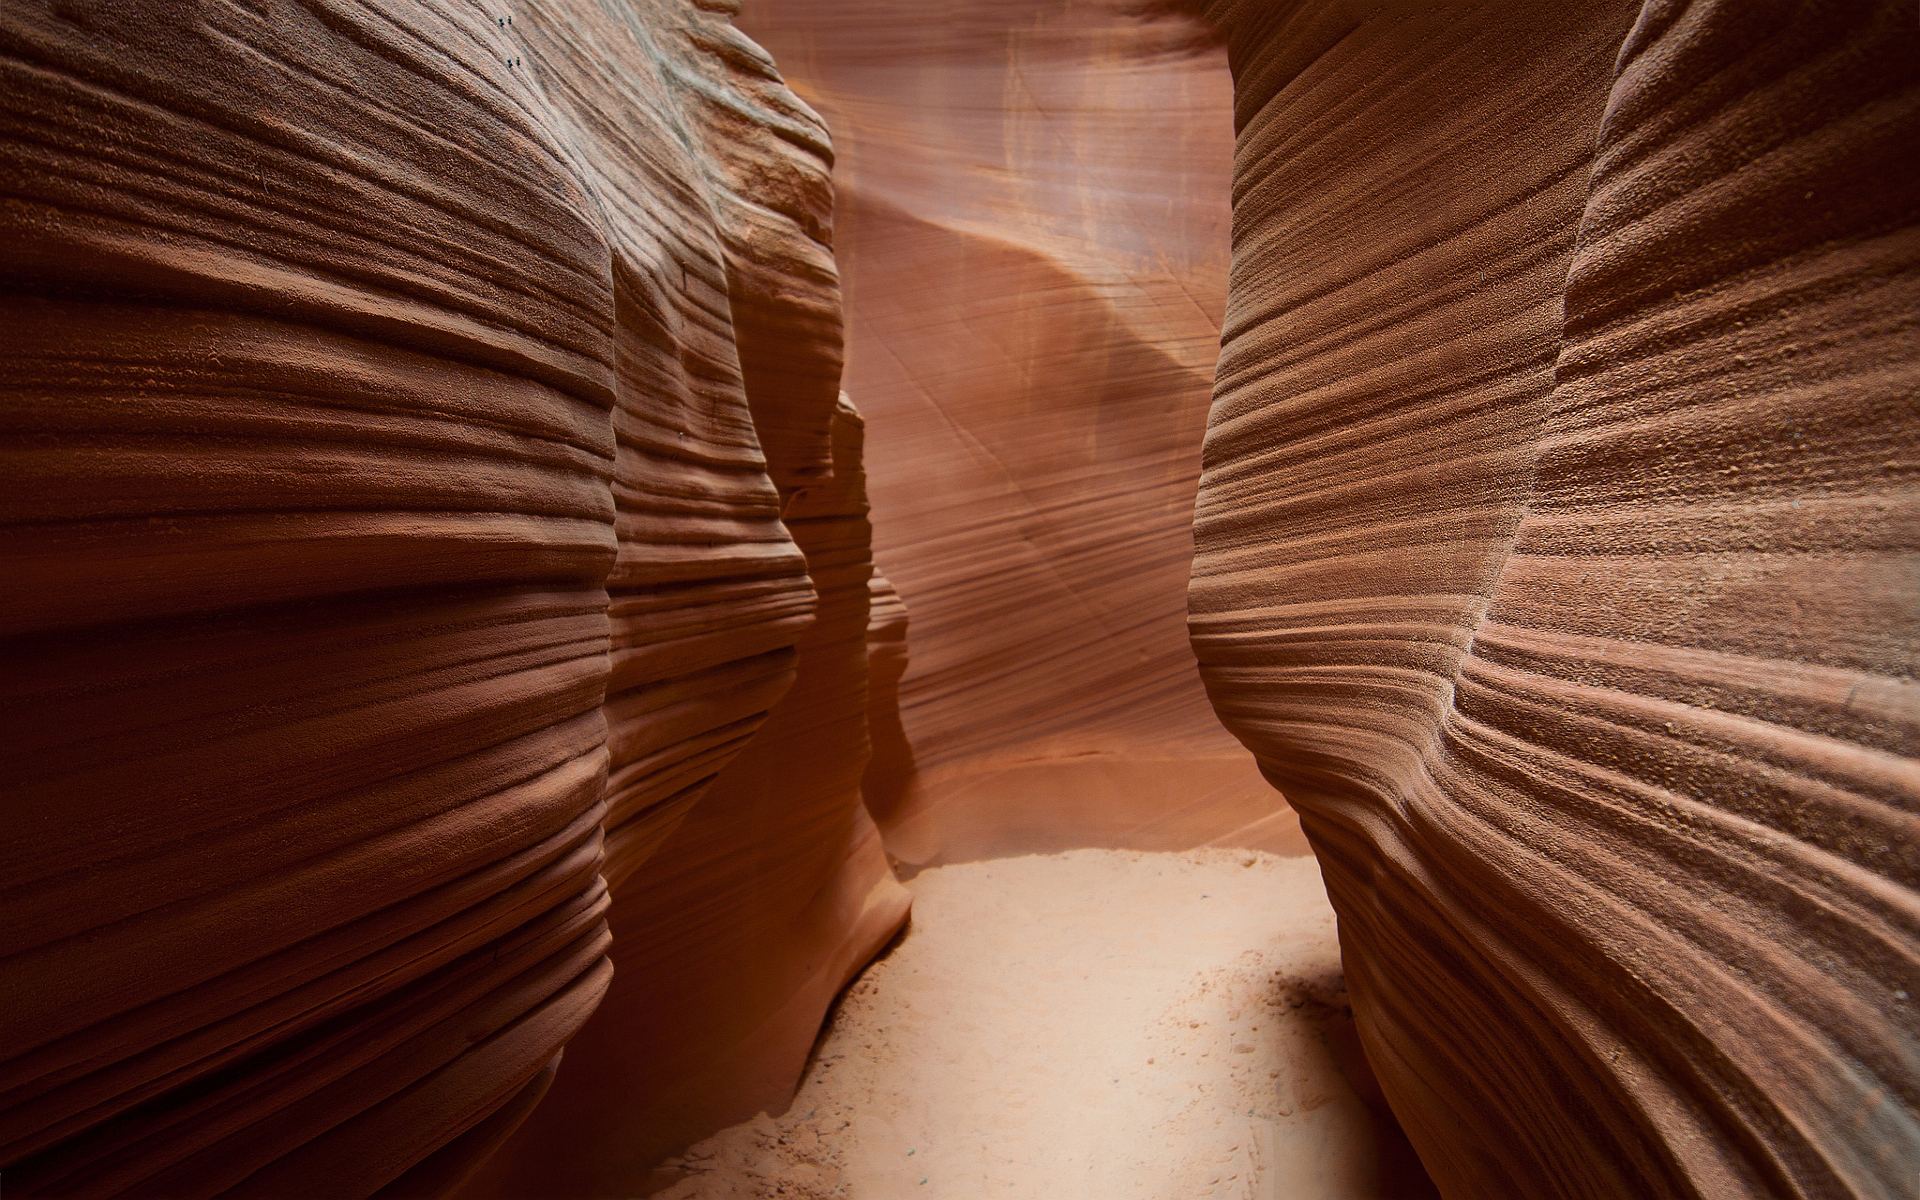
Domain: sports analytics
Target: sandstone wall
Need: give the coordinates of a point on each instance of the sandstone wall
(739, 932)
(1556, 557)
(402, 401)
(1032, 228)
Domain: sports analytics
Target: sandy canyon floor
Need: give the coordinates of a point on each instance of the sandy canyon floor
(1094, 1024)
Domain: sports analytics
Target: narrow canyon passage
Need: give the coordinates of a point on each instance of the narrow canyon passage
(557, 549)
(1092, 1025)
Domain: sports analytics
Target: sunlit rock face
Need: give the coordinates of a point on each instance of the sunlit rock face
(403, 401)
(1556, 557)
(1032, 230)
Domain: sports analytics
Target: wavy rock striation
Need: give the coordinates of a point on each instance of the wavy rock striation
(1032, 226)
(748, 921)
(402, 400)
(1556, 557)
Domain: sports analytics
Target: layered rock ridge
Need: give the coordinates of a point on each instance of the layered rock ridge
(750, 918)
(1555, 555)
(1032, 230)
(403, 402)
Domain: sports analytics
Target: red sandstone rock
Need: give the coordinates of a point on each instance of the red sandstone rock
(735, 938)
(889, 773)
(1032, 225)
(403, 409)
(388, 389)
(1556, 556)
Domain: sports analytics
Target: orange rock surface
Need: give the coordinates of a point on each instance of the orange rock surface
(735, 936)
(441, 625)
(1556, 554)
(1032, 224)
(402, 404)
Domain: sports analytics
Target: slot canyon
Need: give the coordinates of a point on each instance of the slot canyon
(1139, 599)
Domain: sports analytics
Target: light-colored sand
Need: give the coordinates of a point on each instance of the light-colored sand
(1095, 1025)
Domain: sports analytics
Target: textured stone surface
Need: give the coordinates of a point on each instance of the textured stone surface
(404, 401)
(385, 488)
(1032, 227)
(738, 933)
(1556, 556)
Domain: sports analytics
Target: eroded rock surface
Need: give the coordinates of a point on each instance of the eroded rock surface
(735, 936)
(1556, 556)
(402, 402)
(1032, 222)
(425, 454)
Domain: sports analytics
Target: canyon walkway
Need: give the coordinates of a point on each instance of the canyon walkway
(1093, 1024)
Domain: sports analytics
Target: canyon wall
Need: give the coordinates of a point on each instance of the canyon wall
(403, 402)
(441, 599)
(736, 936)
(1032, 226)
(1556, 556)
